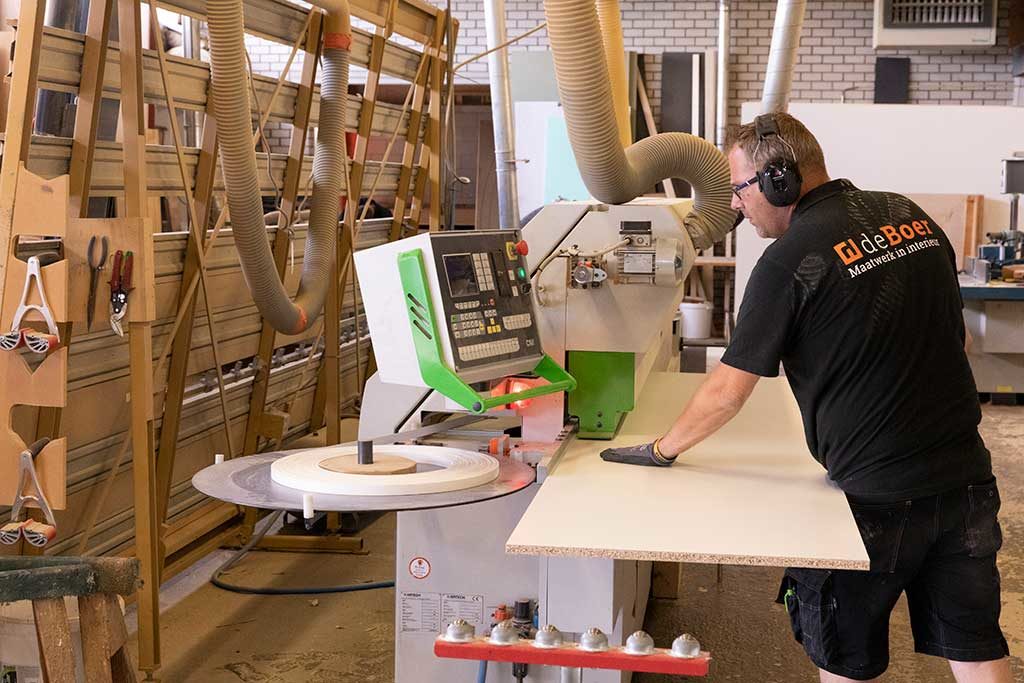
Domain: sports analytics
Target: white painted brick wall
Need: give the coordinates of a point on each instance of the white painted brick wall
(835, 54)
(835, 50)
(268, 58)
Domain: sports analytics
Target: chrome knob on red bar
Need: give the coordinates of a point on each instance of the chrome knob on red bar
(685, 646)
(594, 640)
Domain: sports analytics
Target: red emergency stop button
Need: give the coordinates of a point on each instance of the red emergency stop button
(522, 248)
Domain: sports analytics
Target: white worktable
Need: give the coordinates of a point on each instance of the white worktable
(751, 494)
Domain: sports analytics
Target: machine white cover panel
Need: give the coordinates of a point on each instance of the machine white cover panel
(387, 313)
(751, 494)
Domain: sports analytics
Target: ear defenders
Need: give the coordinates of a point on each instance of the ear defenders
(780, 179)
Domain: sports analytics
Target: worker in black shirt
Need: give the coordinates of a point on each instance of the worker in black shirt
(858, 300)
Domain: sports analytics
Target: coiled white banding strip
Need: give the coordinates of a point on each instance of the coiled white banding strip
(459, 469)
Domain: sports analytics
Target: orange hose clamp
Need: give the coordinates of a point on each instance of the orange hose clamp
(341, 41)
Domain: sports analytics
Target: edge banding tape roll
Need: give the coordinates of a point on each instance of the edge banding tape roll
(458, 469)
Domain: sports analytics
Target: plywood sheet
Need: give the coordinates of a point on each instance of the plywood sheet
(751, 494)
(949, 211)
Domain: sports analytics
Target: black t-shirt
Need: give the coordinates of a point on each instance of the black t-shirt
(859, 302)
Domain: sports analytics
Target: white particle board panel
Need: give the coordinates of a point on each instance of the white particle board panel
(750, 494)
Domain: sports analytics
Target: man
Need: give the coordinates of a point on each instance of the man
(858, 300)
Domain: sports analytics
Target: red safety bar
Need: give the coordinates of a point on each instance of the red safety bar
(524, 652)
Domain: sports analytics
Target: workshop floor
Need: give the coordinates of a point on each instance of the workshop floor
(214, 636)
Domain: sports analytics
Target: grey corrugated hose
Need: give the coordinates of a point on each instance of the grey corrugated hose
(612, 174)
(238, 162)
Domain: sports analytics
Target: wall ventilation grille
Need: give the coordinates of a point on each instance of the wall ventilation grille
(935, 23)
(938, 13)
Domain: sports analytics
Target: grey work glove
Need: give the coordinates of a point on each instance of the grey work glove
(644, 454)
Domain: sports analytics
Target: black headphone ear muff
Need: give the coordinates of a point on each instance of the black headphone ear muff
(780, 178)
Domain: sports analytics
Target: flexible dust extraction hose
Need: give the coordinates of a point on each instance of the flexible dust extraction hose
(612, 174)
(610, 18)
(238, 161)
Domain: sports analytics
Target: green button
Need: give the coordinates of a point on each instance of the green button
(521, 272)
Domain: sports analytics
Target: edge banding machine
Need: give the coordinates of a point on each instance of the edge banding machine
(494, 350)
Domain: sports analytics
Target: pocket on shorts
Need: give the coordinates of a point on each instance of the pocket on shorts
(882, 526)
(807, 596)
(984, 535)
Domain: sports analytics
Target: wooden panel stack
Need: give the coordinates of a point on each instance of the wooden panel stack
(212, 377)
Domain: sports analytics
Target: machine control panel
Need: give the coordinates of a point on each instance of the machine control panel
(485, 289)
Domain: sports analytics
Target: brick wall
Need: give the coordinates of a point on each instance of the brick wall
(835, 50)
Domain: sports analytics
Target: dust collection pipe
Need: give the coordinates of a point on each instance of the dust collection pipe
(778, 78)
(238, 161)
(501, 112)
(722, 80)
(612, 174)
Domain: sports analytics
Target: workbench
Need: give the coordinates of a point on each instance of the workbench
(972, 289)
(751, 494)
(994, 315)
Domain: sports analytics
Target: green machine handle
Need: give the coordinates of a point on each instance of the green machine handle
(427, 339)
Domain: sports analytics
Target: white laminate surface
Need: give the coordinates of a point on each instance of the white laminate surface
(751, 494)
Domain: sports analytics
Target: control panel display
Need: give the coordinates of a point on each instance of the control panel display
(462, 276)
(487, 307)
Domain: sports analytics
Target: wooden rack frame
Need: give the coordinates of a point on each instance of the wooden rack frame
(190, 316)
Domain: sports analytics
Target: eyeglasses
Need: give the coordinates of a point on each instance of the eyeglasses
(736, 189)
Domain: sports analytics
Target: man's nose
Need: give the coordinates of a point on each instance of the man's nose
(736, 204)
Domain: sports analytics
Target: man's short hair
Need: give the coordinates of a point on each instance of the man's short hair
(802, 143)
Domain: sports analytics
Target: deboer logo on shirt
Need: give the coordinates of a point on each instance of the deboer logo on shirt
(851, 251)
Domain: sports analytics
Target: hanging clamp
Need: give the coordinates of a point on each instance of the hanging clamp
(36, 533)
(19, 336)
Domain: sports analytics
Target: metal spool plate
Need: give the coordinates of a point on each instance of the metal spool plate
(246, 481)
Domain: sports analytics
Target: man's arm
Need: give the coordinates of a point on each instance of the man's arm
(716, 402)
(773, 300)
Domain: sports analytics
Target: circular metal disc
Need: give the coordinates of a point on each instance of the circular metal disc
(246, 481)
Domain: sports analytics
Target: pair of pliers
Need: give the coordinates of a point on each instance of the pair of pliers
(95, 267)
(120, 287)
(36, 533)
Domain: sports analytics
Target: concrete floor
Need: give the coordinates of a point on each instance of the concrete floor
(215, 636)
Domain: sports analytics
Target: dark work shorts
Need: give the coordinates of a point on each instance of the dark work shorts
(941, 550)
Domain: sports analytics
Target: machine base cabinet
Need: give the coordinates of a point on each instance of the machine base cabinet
(451, 563)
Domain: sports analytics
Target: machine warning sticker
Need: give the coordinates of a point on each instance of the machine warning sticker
(420, 612)
(461, 606)
(419, 567)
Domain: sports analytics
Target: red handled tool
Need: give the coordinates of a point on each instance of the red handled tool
(120, 288)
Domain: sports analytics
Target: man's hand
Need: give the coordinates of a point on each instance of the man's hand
(644, 454)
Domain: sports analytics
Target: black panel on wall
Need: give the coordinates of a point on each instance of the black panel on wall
(677, 96)
(892, 80)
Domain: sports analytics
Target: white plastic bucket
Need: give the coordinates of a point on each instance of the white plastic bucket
(18, 645)
(696, 319)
